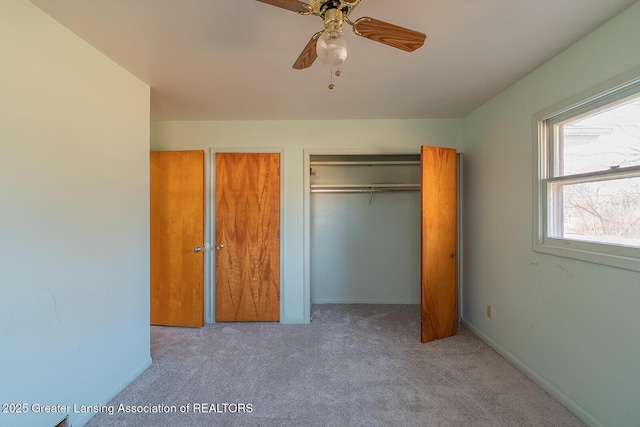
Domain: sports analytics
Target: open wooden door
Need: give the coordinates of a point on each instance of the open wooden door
(177, 227)
(247, 242)
(439, 317)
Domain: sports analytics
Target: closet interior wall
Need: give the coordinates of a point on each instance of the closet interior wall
(365, 229)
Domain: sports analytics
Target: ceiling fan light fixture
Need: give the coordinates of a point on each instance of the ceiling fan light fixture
(330, 44)
(332, 48)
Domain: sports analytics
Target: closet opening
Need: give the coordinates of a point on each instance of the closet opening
(365, 218)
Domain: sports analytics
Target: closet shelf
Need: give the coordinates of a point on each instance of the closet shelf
(365, 163)
(363, 188)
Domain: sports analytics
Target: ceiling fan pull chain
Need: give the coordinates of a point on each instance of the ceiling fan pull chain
(331, 85)
(338, 73)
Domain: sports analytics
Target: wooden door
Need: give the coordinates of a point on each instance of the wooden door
(177, 226)
(247, 242)
(438, 300)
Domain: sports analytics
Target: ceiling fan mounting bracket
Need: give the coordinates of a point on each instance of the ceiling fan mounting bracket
(321, 7)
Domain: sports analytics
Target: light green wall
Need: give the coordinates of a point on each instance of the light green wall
(74, 212)
(571, 325)
(294, 137)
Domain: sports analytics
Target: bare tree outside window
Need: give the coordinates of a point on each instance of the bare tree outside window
(595, 206)
(587, 192)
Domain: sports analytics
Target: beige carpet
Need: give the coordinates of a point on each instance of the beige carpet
(354, 365)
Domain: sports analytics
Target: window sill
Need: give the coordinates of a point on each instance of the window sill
(625, 258)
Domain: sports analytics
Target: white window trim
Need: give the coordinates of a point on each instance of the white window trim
(611, 255)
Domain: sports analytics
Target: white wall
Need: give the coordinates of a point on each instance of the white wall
(294, 137)
(74, 206)
(571, 325)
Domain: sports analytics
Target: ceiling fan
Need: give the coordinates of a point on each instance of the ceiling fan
(330, 45)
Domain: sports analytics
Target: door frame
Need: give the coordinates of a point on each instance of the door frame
(308, 152)
(210, 227)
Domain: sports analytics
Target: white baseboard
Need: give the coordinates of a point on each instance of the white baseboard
(84, 418)
(293, 321)
(562, 398)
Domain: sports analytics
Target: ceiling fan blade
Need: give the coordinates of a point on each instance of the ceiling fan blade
(389, 34)
(292, 5)
(308, 55)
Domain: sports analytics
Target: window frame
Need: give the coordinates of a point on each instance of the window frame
(544, 121)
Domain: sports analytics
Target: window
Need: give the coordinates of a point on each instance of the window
(588, 177)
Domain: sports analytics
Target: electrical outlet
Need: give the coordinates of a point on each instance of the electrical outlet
(489, 311)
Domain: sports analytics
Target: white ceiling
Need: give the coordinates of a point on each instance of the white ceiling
(231, 59)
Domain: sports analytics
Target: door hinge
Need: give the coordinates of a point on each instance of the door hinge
(278, 295)
(278, 171)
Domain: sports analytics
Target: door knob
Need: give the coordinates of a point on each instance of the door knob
(218, 247)
(205, 248)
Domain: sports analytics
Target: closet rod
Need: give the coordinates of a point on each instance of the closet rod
(363, 190)
(364, 163)
(367, 186)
